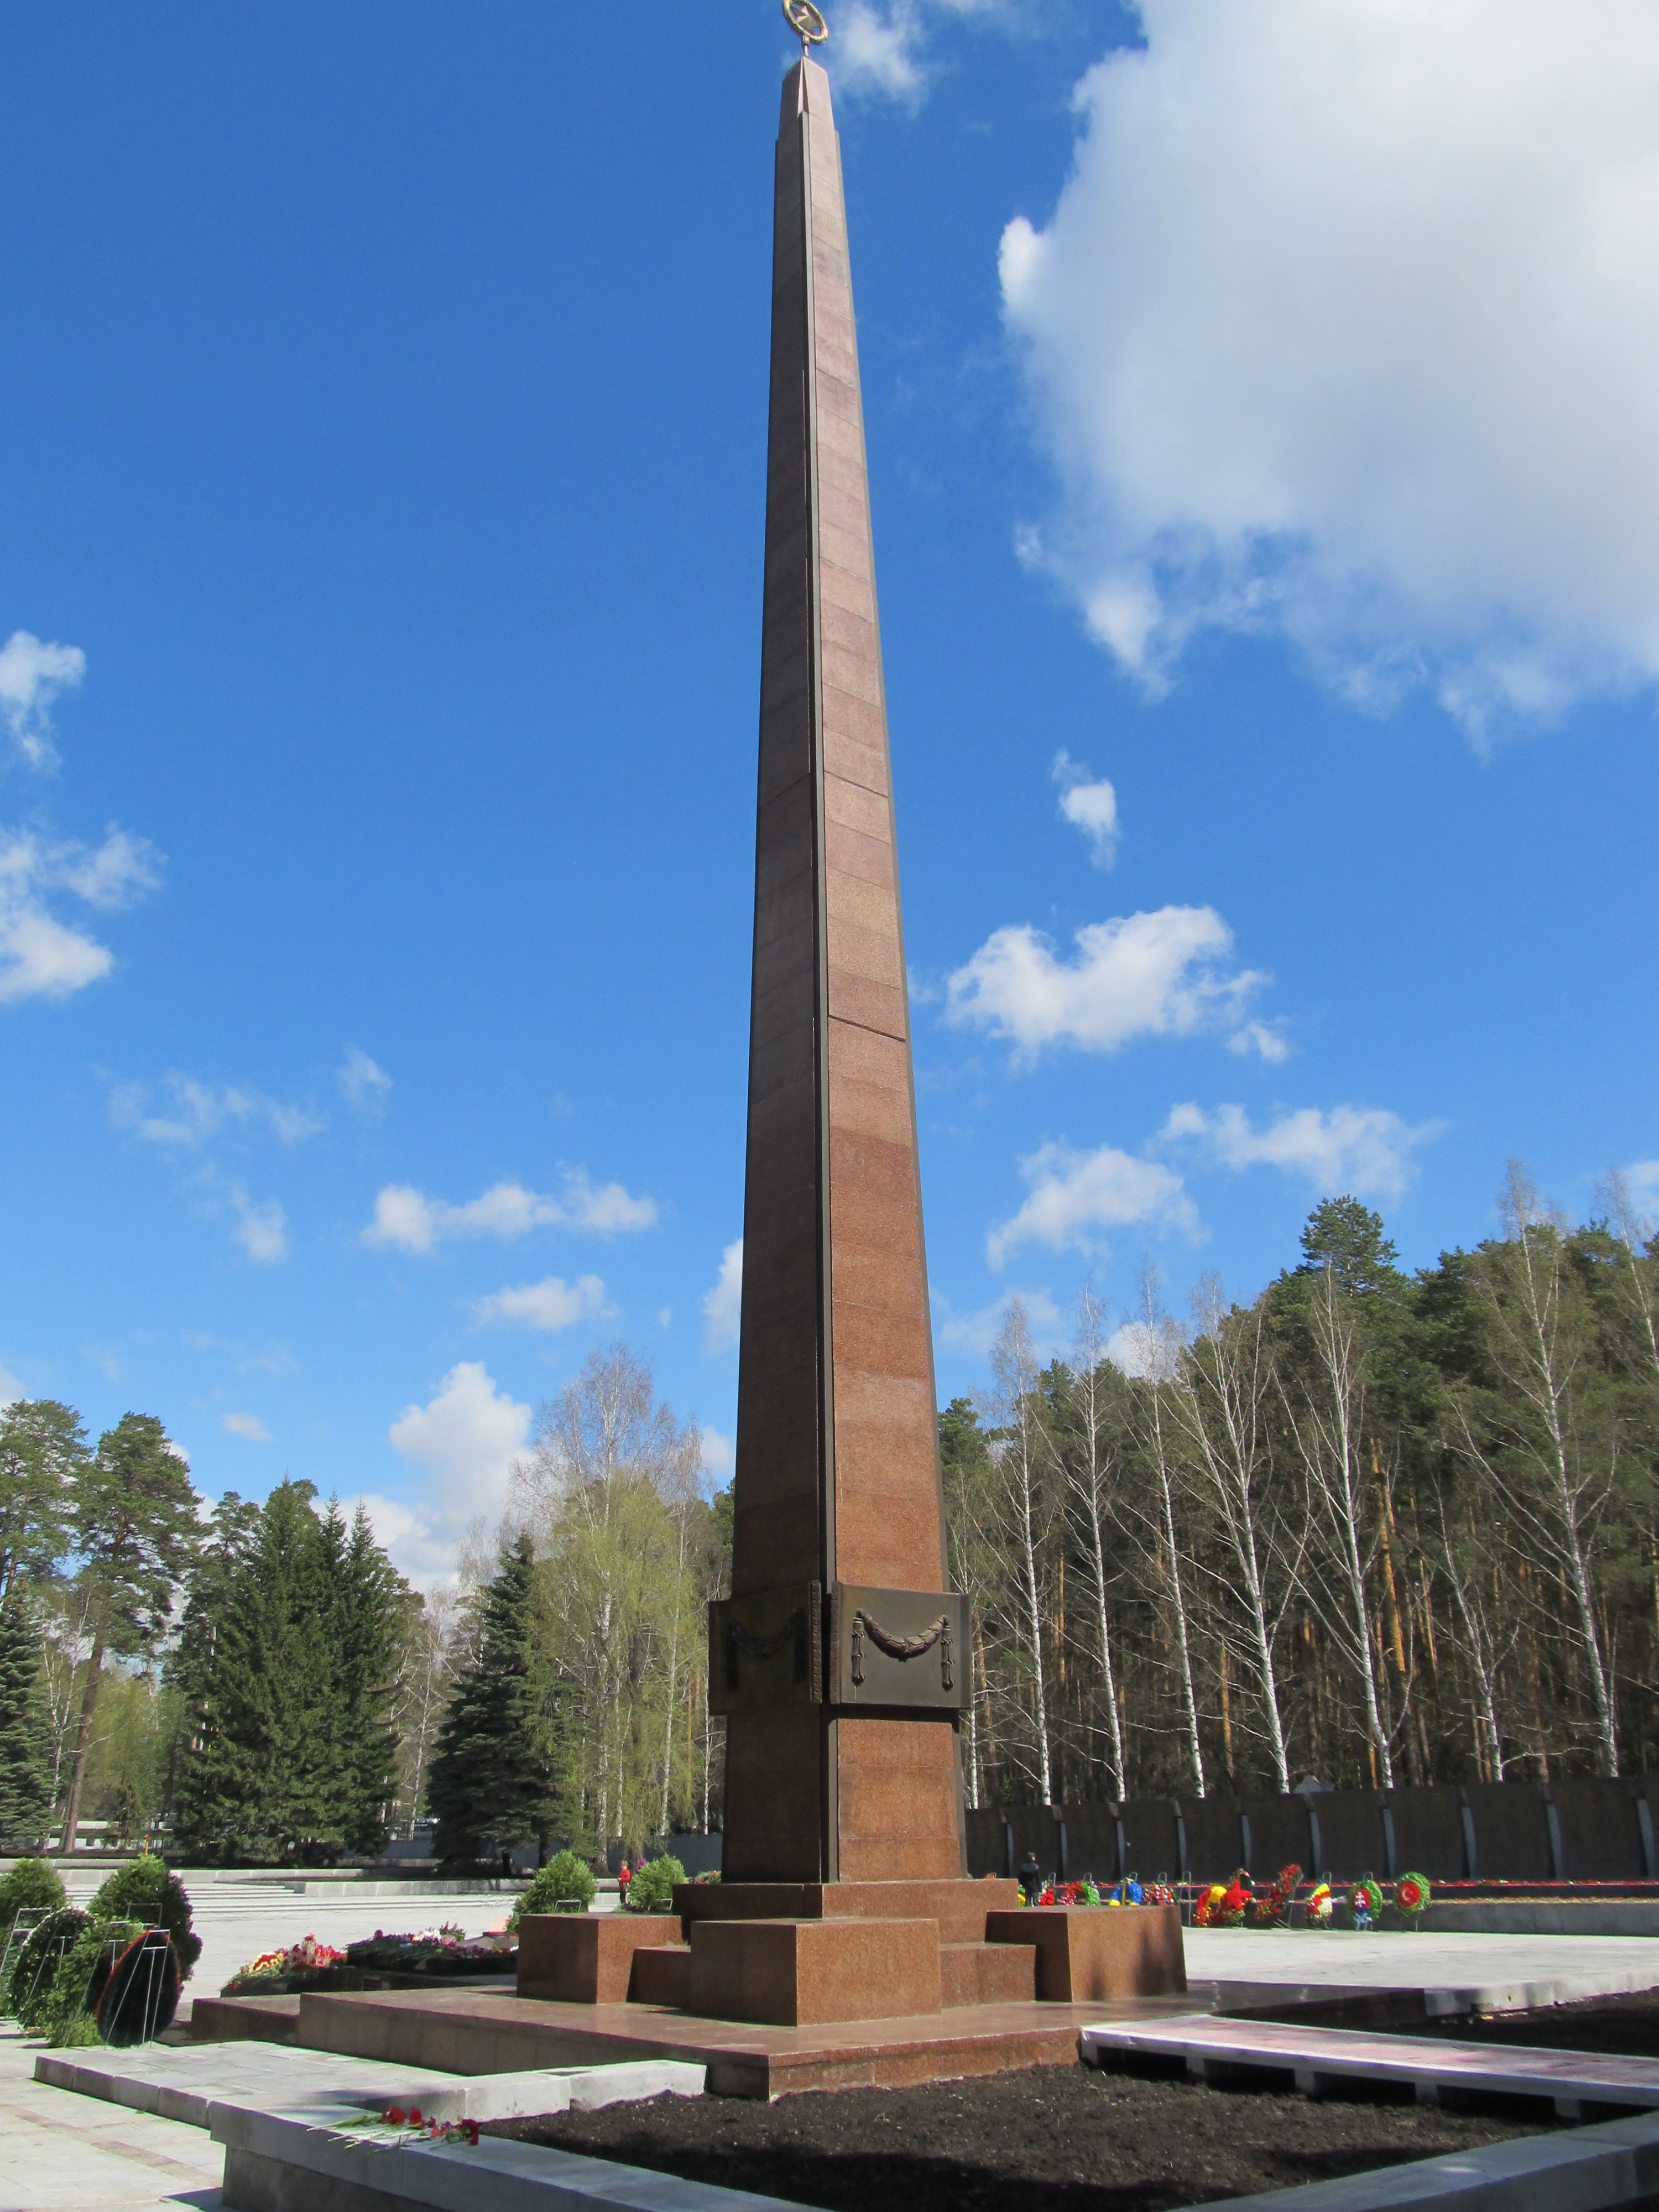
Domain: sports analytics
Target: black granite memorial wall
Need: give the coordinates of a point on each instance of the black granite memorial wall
(1580, 1829)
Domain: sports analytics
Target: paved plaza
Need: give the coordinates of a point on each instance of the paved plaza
(71, 2150)
(69, 2154)
(1457, 1973)
(239, 1915)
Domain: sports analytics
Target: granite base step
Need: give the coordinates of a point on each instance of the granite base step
(987, 1973)
(662, 1977)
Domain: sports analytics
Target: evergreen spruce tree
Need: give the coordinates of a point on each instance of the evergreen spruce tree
(285, 1667)
(290, 1720)
(25, 1783)
(491, 1787)
(206, 1808)
(372, 1603)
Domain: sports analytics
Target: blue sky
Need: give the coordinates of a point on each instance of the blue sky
(1265, 484)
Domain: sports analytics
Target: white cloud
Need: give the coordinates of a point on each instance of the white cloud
(1090, 807)
(550, 1305)
(363, 1085)
(1364, 1149)
(197, 1112)
(1143, 974)
(1266, 1037)
(720, 1456)
(723, 1306)
(260, 1227)
(1341, 327)
(41, 957)
(407, 1219)
(248, 1426)
(606, 1211)
(1073, 1194)
(1642, 1183)
(977, 1332)
(467, 1438)
(10, 1388)
(877, 49)
(420, 1541)
(1142, 1353)
(32, 674)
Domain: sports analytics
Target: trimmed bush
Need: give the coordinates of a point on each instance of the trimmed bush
(565, 1880)
(38, 1963)
(144, 1890)
(31, 1884)
(652, 1889)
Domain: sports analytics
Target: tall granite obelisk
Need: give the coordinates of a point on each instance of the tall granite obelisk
(840, 1658)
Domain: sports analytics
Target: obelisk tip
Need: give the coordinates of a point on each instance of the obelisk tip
(807, 24)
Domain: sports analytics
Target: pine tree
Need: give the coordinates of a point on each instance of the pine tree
(25, 1787)
(135, 1532)
(491, 1787)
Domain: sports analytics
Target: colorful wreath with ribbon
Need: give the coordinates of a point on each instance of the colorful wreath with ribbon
(1274, 1901)
(1411, 1893)
(1366, 1898)
(1320, 1906)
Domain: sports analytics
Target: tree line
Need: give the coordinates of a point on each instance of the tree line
(1376, 1527)
(259, 1683)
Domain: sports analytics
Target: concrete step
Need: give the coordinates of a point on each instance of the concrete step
(987, 1973)
(1320, 2059)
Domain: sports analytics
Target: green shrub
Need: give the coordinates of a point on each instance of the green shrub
(31, 1884)
(144, 1890)
(66, 2019)
(38, 1964)
(652, 1889)
(564, 1880)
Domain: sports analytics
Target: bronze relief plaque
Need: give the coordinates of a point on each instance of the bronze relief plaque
(766, 1650)
(901, 1648)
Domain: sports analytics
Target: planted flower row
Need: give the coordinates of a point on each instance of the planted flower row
(436, 1951)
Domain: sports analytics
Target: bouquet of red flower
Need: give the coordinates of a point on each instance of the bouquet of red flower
(1235, 1901)
(1411, 1893)
(410, 2125)
(1205, 1911)
(1157, 1892)
(1274, 1903)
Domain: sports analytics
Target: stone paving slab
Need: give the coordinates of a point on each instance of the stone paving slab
(1455, 1973)
(1322, 2057)
(185, 2084)
(64, 2153)
(277, 2159)
(1587, 2170)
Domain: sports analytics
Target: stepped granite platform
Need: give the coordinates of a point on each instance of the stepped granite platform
(465, 2032)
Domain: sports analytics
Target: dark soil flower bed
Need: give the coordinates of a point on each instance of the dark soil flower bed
(1086, 2141)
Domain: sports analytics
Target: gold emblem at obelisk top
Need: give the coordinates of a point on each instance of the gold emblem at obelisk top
(807, 24)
